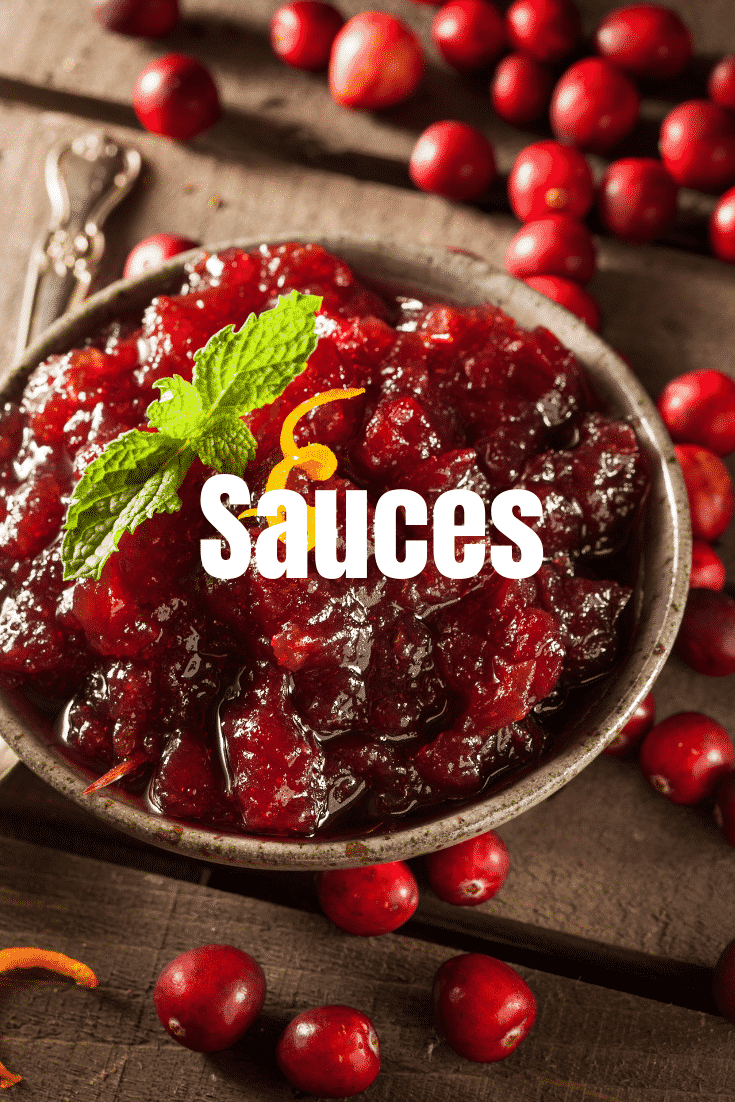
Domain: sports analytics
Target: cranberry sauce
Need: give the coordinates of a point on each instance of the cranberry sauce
(293, 706)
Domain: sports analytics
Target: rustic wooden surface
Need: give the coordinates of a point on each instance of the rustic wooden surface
(609, 881)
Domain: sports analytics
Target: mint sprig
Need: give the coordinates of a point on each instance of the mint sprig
(139, 473)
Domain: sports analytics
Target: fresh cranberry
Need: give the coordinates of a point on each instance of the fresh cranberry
(546, 30)
(706, 639)
(645, 39)
(709, 490)
(207, 998)
(722, 227)
(697, 145)
(470, 872)
(468, 33)
(555, 245)
(723, 982)
(593, 105)
(139, 18)
(699, 408)
(375, 899)
(708, 569)
(684, 756)
(569, 295)
(454, 160)
(721, 83)
(550, 178)
(376, 61)
(482, 1007)
(153, 251)
(637, 199)
(639, 724)
(520, 89)
(302, 33)
(176, 96)
(331, 1051)
(724, 807)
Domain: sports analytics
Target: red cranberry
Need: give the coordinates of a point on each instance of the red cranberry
(520, 89)
(639, 724)
(723, 983)
(684, 756)
(550, 178)
(699, 408)
(468, 33)
(724, 808)
(721, 84)
(302, 33)
(594, 105)
(722, 227)
(645, 39)
(367, 901)
(708, 569)
(569, 295)
(153, 251)
(454, 160)
(555, 245)
(331, 1051)
(176, 96)
(139, 18)
(706, 639)
(709, 490)
(376, 61)
(470, 872)
(697, 144)
(546, 30)
(207, 998)
(482, 1007)
(637, 199)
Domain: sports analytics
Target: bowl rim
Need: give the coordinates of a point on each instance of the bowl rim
(667, 563)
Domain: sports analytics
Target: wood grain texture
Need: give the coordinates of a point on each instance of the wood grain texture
(605, 858)
(107, 1044)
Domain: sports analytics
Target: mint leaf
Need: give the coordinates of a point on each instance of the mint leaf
(248, 369)
(227, 446)
(139, 474)
(179, 410)
(136, 476)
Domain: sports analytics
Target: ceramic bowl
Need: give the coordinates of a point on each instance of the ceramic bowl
(659, 599)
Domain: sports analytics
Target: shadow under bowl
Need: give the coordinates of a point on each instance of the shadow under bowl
(660, 596)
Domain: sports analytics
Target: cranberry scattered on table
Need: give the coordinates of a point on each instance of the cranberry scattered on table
(330, 1051)
(370, 900)
(709, 490)
(376, 61)
(684, 756)
(570, 295)
(152, 252)
(698, 407)
(721, 83)
(554, 245)
(722, 227)
(482, 1007)
(454, 160)
(639, 724)
(175, 96)
(546, 30)
(594, 105)
(302, 33)
(550, 178)
(468, 33)
(470, 872)
(697, 145)
(520, 89)
(708, 569)
(138, 18)
(208, 998)
(648, 40)
(706, 639)
(637, 199)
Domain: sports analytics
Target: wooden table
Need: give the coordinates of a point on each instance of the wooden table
(618, 903)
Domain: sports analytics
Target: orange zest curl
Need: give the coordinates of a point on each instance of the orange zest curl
(317, 461)
(116, 772)
(10, 959)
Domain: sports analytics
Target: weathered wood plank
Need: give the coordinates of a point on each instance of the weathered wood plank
(107, 1044)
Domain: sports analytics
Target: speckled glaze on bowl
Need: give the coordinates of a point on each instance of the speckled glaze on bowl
(660, 595)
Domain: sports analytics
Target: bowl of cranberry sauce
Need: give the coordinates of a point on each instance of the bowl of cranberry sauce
(315, 722)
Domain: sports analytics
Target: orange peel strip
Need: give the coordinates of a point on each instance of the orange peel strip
(116, 772)
(10, 959)
(288, 444)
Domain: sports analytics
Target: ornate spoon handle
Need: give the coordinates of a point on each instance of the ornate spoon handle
(85, 179)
